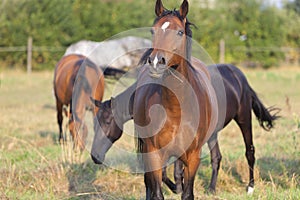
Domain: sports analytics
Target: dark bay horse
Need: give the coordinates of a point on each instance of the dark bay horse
(175, 107)
(240, 100)
(117, 111)
(76, 79)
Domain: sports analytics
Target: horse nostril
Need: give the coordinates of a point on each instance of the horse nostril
(162, 61)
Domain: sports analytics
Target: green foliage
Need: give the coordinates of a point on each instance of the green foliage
(246, 25)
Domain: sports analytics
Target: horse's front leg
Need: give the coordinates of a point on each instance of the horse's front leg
(189, 175)
(153, 176)
(153, 182)
(147, 181)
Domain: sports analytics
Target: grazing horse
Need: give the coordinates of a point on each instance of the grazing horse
(76, 78)
(174, 108)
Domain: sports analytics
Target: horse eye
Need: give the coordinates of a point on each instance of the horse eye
(180, 33)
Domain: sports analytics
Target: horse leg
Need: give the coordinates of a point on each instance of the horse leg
(81, 138)
(72, 128)
(178, 175)
(147, 181)
(245, 125)
(167, 181)
(153, 175)
(59, 109)
(189, 175)
(71, 122)
(216, 157)
(153, 182)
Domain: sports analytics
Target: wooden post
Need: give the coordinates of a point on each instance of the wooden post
(222, 51)
(29, 55)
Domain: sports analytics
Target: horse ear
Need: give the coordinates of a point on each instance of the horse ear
(97, 103)
(159, 8)
(184, 9)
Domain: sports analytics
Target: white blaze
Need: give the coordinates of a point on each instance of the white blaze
(155, 61)
(165, 26)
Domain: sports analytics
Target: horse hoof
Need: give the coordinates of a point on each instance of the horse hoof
(250, 190)
(178, 191)
(211, 191)
(61, 141)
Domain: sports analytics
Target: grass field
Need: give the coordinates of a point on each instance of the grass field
(34, 166)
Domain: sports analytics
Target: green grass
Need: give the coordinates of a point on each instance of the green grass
(34, 166)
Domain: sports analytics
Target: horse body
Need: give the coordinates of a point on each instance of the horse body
(189, 109)
(171, 133)
(89, 81)
(239, 100)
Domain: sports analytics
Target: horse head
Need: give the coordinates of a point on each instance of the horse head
(106, 130)
(170, 35)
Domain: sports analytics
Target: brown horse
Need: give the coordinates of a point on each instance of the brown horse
(174, 108)
(76, 78)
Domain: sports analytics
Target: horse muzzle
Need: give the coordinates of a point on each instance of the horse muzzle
(158, 65)
(97, 160)
(157, 72)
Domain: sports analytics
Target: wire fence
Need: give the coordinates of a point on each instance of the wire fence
(292, 55)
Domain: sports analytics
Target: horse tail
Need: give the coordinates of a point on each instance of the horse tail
(264, 115)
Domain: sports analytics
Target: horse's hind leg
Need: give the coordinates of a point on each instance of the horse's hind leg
(178, 176)
(59, 109)
(216, 157)
(245, 124)
(167, 181)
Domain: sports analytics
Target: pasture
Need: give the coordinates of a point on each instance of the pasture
(33, 165)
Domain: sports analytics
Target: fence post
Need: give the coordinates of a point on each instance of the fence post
(222, 51)
(29, 55)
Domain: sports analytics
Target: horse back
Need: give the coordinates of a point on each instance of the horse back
(69, 69)
(64, 77)
(235, 86)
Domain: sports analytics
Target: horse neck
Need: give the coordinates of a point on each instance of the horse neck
(123, 105)
(184, 68)
(178, 80)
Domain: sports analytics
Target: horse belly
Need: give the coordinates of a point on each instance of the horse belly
(175, 140)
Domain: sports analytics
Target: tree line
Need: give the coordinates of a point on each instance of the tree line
(252, 29)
